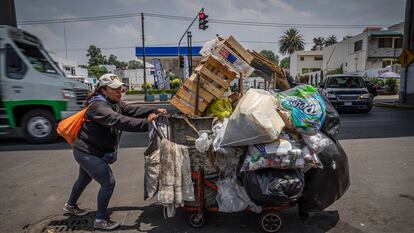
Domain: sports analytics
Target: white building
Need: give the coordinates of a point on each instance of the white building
(302, 62)
(70, 67)
(372, 49)
(134, 78)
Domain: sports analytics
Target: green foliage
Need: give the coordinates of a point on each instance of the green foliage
(269, 54)
(96, 71)
(148, 85)
(391, 82)
(340, 70)
(285, 62)
(134, 64)
(175, 83)
(291, 41)
(95, 56)
(377, 81)
(318, 43)
(330, 40)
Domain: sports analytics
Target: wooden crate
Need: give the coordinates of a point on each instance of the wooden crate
(234, 45)
(215, 78)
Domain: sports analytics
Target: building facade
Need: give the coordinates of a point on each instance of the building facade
(374, 48)
(302, 62)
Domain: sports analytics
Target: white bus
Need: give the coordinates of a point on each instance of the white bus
(35, 93)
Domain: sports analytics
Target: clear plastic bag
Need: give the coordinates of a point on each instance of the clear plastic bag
(232, 197)
(202, 143)
(254, 120)
(317, 142)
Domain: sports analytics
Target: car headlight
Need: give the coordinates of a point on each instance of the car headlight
(67, 94)
(365, 96)
(331, 96)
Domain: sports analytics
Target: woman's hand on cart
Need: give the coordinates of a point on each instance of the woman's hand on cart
(162, 111)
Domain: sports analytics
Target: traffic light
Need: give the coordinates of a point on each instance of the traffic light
(202, 20)
(181, 61)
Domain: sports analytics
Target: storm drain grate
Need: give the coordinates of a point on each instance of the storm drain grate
(63, 224)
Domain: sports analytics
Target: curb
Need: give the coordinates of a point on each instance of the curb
(394, 105)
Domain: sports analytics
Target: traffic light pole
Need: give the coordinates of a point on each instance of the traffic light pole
(190, 53)
(179, 42)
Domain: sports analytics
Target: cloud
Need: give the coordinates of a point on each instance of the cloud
(131, 2)
(126, 30)
(49, 39)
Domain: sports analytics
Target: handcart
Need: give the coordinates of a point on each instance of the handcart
(183, 130)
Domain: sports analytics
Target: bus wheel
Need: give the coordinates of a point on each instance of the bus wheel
(39, 126)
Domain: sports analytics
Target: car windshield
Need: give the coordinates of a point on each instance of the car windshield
(345, 82)
(36, 58)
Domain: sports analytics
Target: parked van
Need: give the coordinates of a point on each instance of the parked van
(35, 93)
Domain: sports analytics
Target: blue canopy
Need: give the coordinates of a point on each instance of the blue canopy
(166, 51)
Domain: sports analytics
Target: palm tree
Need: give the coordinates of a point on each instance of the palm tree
(330, 40)
(291, 41)
(318, 42)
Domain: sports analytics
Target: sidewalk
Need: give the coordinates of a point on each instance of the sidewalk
(139, 99)
(390, 101)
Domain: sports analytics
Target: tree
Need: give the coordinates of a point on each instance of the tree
(134, 64)
(318, 43)
(96, 71)
(269, 54)
(112, 59)
(285, 62)
(291, 41)
(330, 40)
(95, 55)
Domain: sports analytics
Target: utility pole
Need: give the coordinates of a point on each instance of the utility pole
(8, 13)
(190, 53)
(64, 33)
(407, 73)
(143, 57)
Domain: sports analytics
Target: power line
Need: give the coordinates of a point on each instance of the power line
(182, 18)
(163, 44)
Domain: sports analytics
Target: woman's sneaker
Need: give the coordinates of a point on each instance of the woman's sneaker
(75, 210)
(105, 224)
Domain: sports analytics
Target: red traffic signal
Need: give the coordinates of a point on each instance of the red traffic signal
(181, 61)
(202, 20)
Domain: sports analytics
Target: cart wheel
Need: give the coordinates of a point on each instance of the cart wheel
(197, 220)
(270, 221)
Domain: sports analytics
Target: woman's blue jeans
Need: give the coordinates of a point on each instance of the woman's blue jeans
(93, 167)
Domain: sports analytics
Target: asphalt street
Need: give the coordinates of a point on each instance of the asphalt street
(37, 180)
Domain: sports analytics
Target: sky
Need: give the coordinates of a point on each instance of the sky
(120, 36)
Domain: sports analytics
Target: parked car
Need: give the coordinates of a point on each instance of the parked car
(348, 92)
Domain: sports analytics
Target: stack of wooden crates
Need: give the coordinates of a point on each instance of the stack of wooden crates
(214, 80)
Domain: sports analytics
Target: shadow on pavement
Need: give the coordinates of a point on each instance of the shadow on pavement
(150, 219)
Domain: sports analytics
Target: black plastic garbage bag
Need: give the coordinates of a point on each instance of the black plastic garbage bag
(332, 122)
(269, 187)
(324, 186)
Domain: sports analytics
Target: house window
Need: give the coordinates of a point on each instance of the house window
(385, 43)
(318, 58)
(398, 43)
(358, 46)
(302, 58)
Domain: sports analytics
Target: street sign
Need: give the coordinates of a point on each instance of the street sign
(406, 58)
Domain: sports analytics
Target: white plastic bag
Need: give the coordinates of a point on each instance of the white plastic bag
(202, 143)
(219, 129)
(254, 121)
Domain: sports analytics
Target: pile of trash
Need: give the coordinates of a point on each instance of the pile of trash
(268, 148)
(289, 151)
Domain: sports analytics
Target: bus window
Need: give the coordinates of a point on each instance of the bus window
(36, 58)
(15, 67)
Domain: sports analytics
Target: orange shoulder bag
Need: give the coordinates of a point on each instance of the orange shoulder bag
(69, 128)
